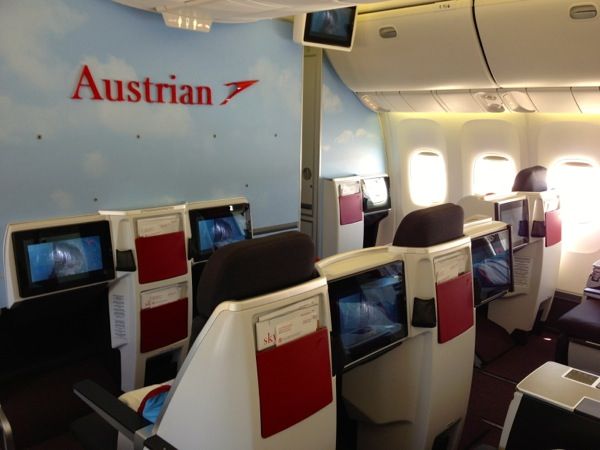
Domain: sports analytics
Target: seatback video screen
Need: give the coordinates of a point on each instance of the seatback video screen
(216, 227)
(492, 266)
(369, 311)
(516, 214)
(64, 257)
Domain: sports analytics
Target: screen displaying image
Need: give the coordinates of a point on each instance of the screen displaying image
(515, 214)
(219, 231)
(492, 266)
(332, 27)
(369, 310)
(376, 194)
(215, 227)
(63, 257)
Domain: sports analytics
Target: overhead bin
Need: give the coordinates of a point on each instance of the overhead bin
(426, 47)
(540, 43)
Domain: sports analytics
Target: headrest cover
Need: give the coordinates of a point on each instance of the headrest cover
(430, 226)
(246, 269)
(531, 179)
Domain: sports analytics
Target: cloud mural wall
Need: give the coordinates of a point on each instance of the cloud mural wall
(351, 141)
(60, 156)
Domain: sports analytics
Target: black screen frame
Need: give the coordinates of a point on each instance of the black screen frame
(197, 215)
(525, 221)
(478, 301)
(367, 354)
(368, 206)
(312, 37)
(24, 238)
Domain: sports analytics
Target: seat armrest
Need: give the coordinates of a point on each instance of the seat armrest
(592, 293)
(6, 434)
(111, 409)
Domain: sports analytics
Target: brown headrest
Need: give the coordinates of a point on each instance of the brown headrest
(254, 267)
(430, 226)
(531, 179)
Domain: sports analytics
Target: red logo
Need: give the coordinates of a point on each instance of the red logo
(148, 91)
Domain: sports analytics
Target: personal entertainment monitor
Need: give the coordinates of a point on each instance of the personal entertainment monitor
(492, 266)
(332, 29)
(515, 213)
(376, 194)
(62, 257)
(369, 311)
(217, 226)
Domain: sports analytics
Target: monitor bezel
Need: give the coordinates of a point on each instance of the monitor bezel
(511, 286)
(335, 317)
(325, 40)
(525, 208)
(23, 238)
(197, 215)
(366, 202)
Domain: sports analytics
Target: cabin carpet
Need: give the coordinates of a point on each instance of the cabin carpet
(494, 384)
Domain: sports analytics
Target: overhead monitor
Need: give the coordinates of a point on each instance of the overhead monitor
(492, 266)
(332, 29)
(57, 258)
(369, 311)
(216, 226)
(515, 212)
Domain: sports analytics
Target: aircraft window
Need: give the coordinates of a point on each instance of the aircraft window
(577, 181)
(427, 178)
(493, 174)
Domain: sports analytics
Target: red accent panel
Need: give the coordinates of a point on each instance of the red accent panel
(163, 325)
(553, 228)
(161, 257)
(294, 381)
(350, 208)
(455, 307)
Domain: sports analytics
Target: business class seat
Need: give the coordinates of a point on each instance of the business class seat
(539, 257)
(258, 375)
(410, 393)
(579, 342)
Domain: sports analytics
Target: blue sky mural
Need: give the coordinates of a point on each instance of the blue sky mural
(61, 157)
(351, 139)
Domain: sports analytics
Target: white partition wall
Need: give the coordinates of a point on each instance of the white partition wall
(411, 394)
(150, 302)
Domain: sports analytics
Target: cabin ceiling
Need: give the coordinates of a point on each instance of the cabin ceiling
(206, 12)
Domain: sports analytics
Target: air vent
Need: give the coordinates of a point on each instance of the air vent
(388, 32)
(582, 12)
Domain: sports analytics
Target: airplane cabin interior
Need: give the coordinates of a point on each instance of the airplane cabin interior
(328, 225)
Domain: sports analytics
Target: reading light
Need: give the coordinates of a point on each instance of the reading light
(187, 22)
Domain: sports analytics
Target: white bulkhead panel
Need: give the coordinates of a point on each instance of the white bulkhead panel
(426, 47)
(540, 43)
(553, 100)
(588, 99)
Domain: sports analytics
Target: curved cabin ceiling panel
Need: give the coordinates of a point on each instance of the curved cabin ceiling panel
(233, 11)
(427, 47)
(541, 43)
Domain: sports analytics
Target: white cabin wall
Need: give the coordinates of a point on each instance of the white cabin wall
(459, 137)
(553, 137)
(528, 138)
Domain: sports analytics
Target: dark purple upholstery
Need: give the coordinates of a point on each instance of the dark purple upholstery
(254, 267)
(531, 179)
(430, 226)
(582, 322)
